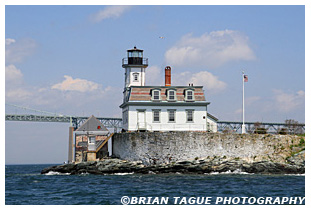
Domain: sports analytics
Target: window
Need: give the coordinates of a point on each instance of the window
(156, 115)
(189, 115)
(189, 95)
(171, 115)
(135, 54)
(92, 140)
(156, 95)
(135, 77)
(171, 95)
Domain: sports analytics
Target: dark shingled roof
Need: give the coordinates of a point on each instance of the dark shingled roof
(211, 116)
(92, 124)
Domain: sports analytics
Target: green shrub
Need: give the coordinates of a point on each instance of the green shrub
(283, 131)
(260, 131)
(301, 142)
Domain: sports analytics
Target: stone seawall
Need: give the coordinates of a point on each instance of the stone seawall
(169, 147)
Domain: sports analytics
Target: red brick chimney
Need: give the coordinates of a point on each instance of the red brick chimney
(168, 76)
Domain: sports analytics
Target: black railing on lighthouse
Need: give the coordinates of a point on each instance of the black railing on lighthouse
(135, 61)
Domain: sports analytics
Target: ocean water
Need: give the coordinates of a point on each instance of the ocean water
(24, 185)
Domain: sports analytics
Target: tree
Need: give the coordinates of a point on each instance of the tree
(283, 131)
(293, 126)
(259, 129)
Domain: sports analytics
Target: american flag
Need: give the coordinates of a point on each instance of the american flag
(245, 78)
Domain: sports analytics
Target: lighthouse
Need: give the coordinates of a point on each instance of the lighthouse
(135, 66)
(161, 108)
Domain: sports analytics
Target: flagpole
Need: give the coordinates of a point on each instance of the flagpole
(243, 125)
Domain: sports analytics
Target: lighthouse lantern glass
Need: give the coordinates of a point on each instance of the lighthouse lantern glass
(135, 54)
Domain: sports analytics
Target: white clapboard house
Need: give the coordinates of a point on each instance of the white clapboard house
(161, 108)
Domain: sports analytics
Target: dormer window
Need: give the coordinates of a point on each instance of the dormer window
(189, 96)
(171, 95)
(156, 94)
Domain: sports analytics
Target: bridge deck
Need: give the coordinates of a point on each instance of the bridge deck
(76, 121)
(116, 123)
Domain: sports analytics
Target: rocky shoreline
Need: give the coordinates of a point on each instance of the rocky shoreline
(293, 165)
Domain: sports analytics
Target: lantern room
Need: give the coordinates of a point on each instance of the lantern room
(135, 58)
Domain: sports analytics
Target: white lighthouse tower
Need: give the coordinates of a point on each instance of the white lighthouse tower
(135, 66)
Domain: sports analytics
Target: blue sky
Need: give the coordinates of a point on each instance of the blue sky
(67, 59)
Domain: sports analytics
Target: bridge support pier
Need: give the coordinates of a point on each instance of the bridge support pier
(70, 146)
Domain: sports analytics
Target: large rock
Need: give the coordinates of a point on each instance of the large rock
(297, 159)
(205, 165)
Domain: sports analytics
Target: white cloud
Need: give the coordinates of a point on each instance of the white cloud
(18, 94)
(210, 82)
(202, 78)
(9, 41)
(80, 85)
(16, 51)
(81, 97)
(15, 89)
(286, 102)
(13, 75)
(109, 12)
(211, 49)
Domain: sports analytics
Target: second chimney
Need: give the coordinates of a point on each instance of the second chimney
(168, 76)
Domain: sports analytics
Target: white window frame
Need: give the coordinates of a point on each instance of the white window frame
(174, 112)
(153, 92)
(187, 115)
(168, 95)
(187, 95)
(153, 115)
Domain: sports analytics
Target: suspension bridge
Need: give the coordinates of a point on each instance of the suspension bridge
(116, 123)
(75, 121)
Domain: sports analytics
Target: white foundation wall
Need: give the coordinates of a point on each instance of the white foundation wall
(200, 121)
(211, 125)
(165, 147)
